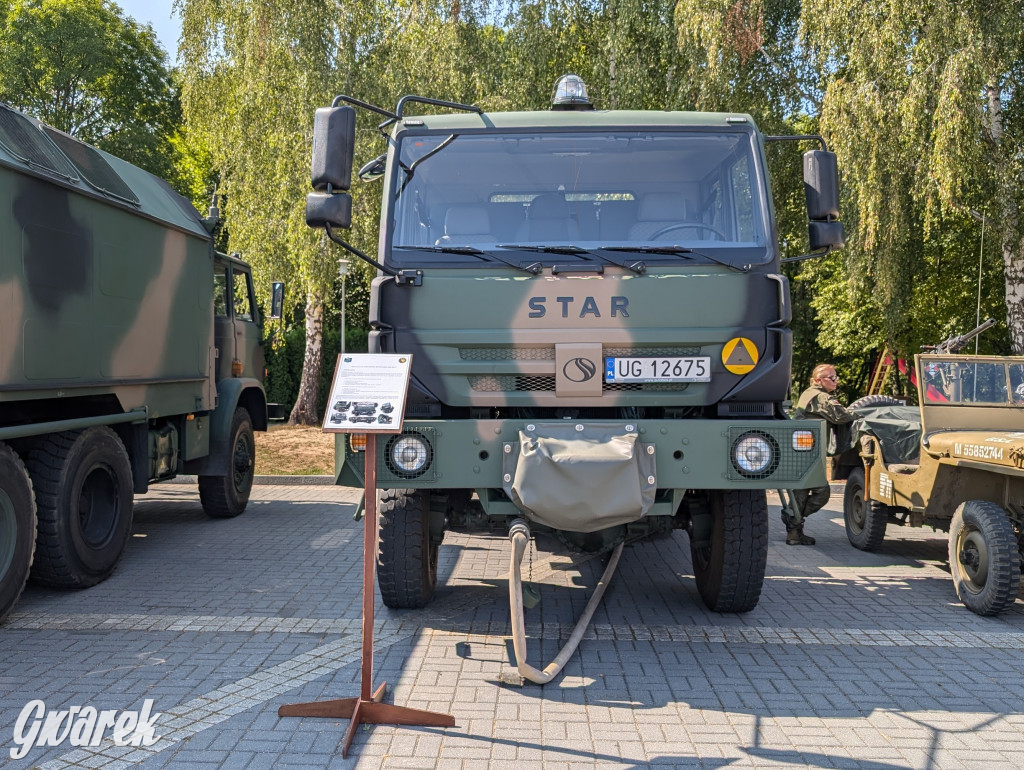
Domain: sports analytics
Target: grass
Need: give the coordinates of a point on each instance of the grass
(294, 450)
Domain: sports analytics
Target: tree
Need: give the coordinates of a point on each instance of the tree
(84, 68)
(921, 103)
(924, 103)
(253, 74)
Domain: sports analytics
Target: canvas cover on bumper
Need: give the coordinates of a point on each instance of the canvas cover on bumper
(579, 478)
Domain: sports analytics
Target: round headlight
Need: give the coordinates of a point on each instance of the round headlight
(755, 454)
(409, 455)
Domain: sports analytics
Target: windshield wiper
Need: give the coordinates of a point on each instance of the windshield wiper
(579, 251)
(472, 251)
(680, 251)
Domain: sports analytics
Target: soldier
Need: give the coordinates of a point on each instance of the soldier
(816, 401)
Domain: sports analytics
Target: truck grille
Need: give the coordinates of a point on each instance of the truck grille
(547, 353)
(519, 383)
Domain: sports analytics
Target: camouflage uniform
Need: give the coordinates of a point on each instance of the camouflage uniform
(813, 402)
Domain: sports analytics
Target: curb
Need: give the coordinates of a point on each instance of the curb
(282, 480)
(836, 489)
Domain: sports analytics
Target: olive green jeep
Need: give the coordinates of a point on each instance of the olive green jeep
(955, 463)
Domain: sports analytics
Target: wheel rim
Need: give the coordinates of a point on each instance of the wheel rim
(98, 507)
(242, 463)
(972, 559)
(858, 513)
(8, 532)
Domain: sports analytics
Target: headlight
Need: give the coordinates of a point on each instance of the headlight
(409, 455)
(755, 455)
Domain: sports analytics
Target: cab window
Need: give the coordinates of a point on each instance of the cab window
(242, 296)
(220, 290)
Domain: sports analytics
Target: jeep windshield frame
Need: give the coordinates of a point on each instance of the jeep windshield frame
(656, 189)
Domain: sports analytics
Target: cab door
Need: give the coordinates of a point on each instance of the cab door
(247, 326)
(223, 324)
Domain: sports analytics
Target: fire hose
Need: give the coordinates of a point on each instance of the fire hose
(519, 534)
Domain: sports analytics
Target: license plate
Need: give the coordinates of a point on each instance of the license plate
(675, 369)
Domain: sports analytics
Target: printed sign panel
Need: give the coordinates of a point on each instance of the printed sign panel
(368, 393)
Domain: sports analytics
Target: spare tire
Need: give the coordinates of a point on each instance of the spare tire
(875, 400)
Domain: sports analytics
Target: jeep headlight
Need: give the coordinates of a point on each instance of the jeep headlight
(409, 455)
(755, 454)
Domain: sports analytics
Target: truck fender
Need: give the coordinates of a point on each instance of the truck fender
(232, 393)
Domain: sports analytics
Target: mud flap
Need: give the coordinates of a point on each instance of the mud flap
(580, 477)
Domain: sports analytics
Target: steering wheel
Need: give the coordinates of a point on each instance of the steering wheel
(719, 235)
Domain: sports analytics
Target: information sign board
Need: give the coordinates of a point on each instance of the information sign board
(368, 393)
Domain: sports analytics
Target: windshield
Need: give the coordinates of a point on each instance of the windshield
(622, 190)
(973, 382)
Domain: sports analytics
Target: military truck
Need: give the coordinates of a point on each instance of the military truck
(129, 353)
(598, 327)
(954, 463)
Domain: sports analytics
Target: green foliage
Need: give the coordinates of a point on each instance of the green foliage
(84, 68)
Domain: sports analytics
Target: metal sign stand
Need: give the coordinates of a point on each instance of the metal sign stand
(367, 708)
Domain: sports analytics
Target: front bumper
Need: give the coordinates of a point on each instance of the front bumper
(689, 454)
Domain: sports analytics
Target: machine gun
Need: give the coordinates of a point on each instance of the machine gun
(957, 343)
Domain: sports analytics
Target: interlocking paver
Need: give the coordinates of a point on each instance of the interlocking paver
(850, 660)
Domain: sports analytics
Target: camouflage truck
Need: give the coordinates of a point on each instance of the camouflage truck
(129, 352)
(954, 463)
(598, 329)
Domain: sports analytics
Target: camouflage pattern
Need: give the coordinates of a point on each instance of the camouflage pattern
(112, 303)
(496, 349)
(108, 318)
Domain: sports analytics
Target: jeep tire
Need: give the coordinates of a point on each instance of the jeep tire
(984, 560)
(866, 520)
(730, 571)
(406, 558)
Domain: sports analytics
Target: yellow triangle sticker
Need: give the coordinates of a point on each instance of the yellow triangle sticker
(739, 355)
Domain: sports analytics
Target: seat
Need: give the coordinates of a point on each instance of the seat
(549, 219)
(660, 210)
(466, 224)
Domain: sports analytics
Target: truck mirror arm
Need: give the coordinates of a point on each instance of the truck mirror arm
(813, 255)
(353, 250)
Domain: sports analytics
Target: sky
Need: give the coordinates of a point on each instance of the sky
(158, 13)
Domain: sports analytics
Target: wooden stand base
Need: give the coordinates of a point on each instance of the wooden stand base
(367, 708)
(366, 712)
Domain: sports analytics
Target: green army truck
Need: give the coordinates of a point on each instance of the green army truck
(129, 352)
(598, 327)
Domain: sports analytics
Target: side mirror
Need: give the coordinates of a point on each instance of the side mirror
(373, 170)
(334, 136)
(821, 184)
(823, 235)
(276, 299)
(329, 209)
(821, 188)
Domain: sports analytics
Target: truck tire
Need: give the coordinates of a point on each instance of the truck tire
(83, 485)
(984, 560)
(875, 400)
(865, 523)
(17, 528)
(224, 497)
(730, 572)
(406, 559)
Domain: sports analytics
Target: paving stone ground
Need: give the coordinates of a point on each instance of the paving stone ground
(851, 660)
